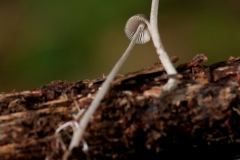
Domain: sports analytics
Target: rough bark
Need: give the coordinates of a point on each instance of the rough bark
(198, 120)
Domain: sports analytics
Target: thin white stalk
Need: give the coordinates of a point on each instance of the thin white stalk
(73, 124)
(162, 54)
(77, 135)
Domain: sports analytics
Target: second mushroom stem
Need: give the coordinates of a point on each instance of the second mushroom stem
(77, 135)
(163, 56)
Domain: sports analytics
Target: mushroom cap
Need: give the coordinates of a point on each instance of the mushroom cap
(132, 26)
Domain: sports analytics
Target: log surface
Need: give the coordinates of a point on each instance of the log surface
(198, 120)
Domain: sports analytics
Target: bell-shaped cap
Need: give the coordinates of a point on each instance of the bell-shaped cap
(132, 26)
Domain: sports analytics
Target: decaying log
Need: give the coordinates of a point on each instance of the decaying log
(198, 120)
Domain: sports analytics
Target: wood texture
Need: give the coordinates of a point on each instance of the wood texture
(199, 120)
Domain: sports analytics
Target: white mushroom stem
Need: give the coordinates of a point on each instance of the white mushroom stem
(162, 54)
(78, 134)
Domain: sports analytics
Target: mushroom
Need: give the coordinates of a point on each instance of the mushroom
(162, 54)
(137, 31)
(132, 26)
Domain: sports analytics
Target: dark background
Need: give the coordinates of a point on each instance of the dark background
(43, 41)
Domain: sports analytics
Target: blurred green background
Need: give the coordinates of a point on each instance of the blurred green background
(43, 41)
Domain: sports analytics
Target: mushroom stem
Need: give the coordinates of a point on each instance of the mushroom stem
(77, 135)
(162, 54)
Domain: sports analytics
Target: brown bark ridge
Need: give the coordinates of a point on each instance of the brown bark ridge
(198, 120)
